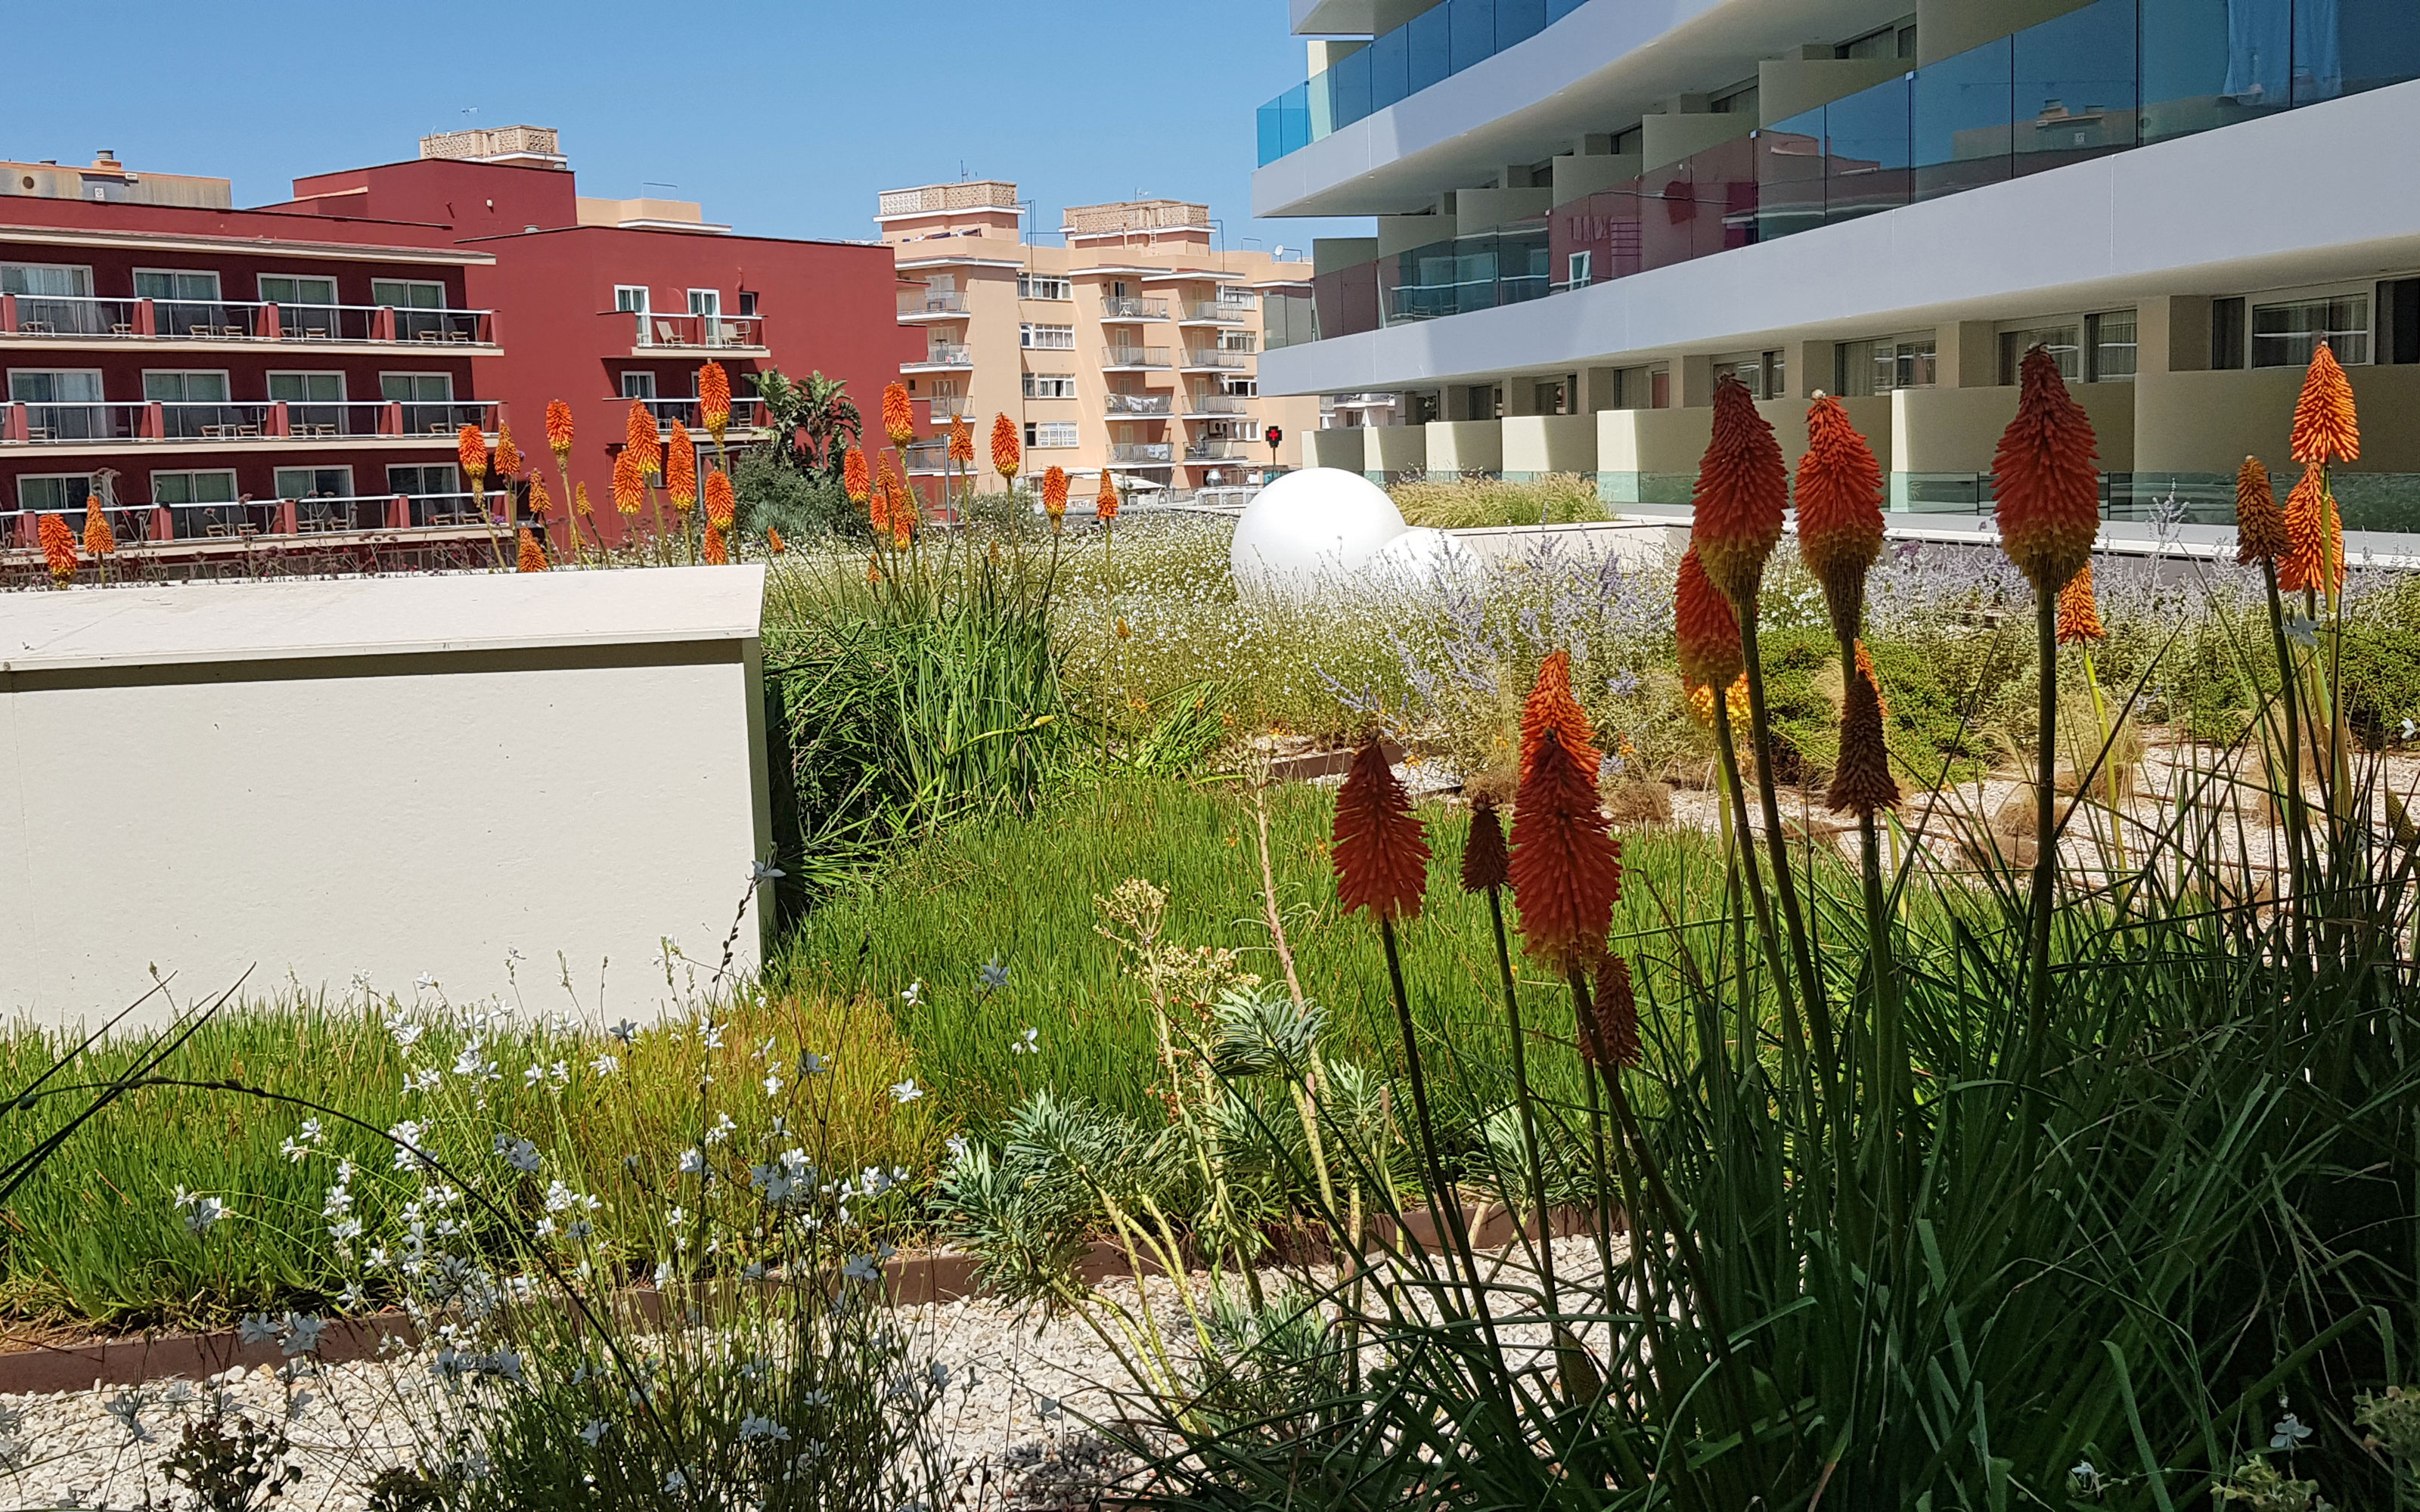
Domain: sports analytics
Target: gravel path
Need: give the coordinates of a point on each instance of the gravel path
(1013, 1417)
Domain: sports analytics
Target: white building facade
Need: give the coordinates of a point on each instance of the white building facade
(1587, 211)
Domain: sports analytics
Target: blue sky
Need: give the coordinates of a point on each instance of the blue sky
(784, 119)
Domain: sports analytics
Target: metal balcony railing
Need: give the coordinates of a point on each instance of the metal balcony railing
(83, 423)
(1139, 404)
(949, 406)
(1210, 358)
(695, 331)
(938, 302)
(1120, 309)
(1221, 312)
(1144, 453)
(746, 414)
(1146, 356)
(947, 354)
(1217, 403)
(80, 319)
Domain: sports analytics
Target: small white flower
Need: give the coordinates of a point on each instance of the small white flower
(2289, 1432)
(906, 1092)
(773, 1085)
(723, 1129)
(259, 1328)
(605, 1065)
(753, 1427)
(201, 1212)
(423, 983)
(692, 1162)
(1028, 1043)
(914, 995)
(593, 1431)
(675, 1481)
(302, 1331)
(517, 1154)
(624, 1031)
(957, 1146)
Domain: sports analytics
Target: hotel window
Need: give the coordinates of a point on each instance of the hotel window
(306, 483)
(1030, 286)
(423, 482)
(747, 303)
(416, 388)
(2226, 325)
(65, 386)
(281, 289)
(182, 287)
(630, 298)
(638, 385)
(200, 488)
(51, 495)
(1050, 385)
(1049, 434)
(1861, 369)
(1762, 372)
(57, 281)
(407, 294)
(1240, 388)
(1046, 338)
(307, 388)
(1581, 271)
(2287, 336)
(185, 388)
(2109, 344)
(2065, 342)
(1238, 341)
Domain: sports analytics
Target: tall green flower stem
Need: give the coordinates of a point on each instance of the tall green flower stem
(2101, 718)
(1890, 1074)
(2045, 843)
(1818, 1012)
(1521, 1099)
(1793, 1041)
(2297, 822)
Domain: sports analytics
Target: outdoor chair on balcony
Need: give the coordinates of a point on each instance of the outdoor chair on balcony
(665, 334)
(202, 330)
(429, 336)
(313, 333)
(37, 328)
(120, 328)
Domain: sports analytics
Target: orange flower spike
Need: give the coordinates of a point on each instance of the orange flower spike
(1741, 494)
(878, 510)
(1551, 706)
(774, 541)
(903, 524)
(58, 548)
(962, 442)
(2259, 524)
(1054, 493)
(718, 551)
(2046, 475)
(639, 440)
(532, 555)
(856, 477)
(1840, 511)
(2079, 614)
(470, 450)
(629, 482)
(1486, 862)
(680, 467)
(508, 456)
(1381, 854)
(1866, 665)
(1104, 504)
(2326, 428)
(1566, 867)
(1706, 630)
(2314, 560)
(714, 399)
(99, 539)
(898, 416)
(541, 503)
(558, 431)
(1005, 453)
(1861, 781)
(579, 503)
(720, 507)
(1614, 1010)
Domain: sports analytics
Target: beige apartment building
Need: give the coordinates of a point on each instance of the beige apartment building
(1134, 347)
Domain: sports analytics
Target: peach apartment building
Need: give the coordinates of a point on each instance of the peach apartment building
(1134, 347)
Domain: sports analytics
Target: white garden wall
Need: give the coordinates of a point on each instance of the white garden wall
(459, 778)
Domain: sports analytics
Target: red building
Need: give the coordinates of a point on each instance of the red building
(300, 369)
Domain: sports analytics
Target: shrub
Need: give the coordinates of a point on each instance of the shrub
(772, 494)
(1450, 504)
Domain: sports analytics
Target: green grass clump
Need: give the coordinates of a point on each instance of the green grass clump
(1461, 504)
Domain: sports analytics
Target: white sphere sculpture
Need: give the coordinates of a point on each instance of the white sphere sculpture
(1422, 558)
(1314, 523)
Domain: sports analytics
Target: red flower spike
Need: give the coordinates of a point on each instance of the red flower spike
(2314, 560)
(1551, 706)
(2326, 427)
(2259, 524)
(1840, 511)
(1566, 868)
(2046, 475)
(1741, 494)
(1382, 858)
(1706, 630)
(1486, 862)
(2079, 615)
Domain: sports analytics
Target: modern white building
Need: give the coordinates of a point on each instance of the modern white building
(1589, 210)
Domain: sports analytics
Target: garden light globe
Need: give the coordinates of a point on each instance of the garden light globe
(1421, 558)
(1317, 522)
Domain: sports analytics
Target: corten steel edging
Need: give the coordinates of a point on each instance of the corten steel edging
(913, 1280)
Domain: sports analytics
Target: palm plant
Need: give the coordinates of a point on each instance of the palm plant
(817, 415)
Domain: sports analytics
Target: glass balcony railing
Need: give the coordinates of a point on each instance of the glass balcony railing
(2109, 77)
(1437, 43)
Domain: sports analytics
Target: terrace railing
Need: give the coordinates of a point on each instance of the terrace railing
(699, 331)
(79, 318)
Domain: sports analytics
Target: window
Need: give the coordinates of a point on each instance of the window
(1891, 41)
(302, 483)
(53, 279)
(72, 386)
(2066, 345)
(49, 496)
(2109, 343)
(1238, 341)
(1762, 372)
(2226, 330)
(1030, 286)
(1052, 433)
(423, 482)
(1548, 396)
(407, 294)
(1864, 368)
(416, 388)
(1046, 338)
(200, 487)
(1240, 388)
(706, 301)
(1582, 270)
(280, 289)
(747, 303)
(307, 388)
(185, 388)
(2287, 336)
(1050, 385)
(630, 298)
(638, 385)
(179, 286)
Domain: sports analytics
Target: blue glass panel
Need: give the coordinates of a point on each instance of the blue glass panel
(2375, 43)
(1432, 47)
(1789, 175)
(1349, 88)
(1272, 132)
(1558, 9)
(1297, 102)
(1962, 111)
(1518, 20)
(2206, 64)
(2075, 87)
(1474, 31)
(1866, 151)
(1389, 69)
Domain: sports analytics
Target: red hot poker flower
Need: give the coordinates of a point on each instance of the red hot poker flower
(898, 417)
(2326, 428)
(714, 399)
(1382, 857)
(856, 477)
(2314, 560)
(1741, 494)
(99, 539)
(558, 429)
(1566, 869)
(1054, 493)
(1705, 627)
(680, 467)
(1840, 511)
(2079, 614)
(1005, 454)
(532, 556)
(2046, 475)
(470, 450)
(2259, 524)
(962, 442)
(1105, 504)
(638, 439)
(1486, 862)
(1610, 1038)
(58, 548)
(720, 507)
(1551, 706)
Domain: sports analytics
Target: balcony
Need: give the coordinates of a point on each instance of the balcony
(1209, 406)
(1211, 360)
(175, 528)
(746, 415)
(928, 458)
(2105, 79)
(1432, 46)
(1139, 404)
(1134, 359)
(1210, 449)
(658, 335)
(938, 305)
(102, 427)
(1124, 311)
(42, 319)
(1220, 312)
(942, 357)
(1143, 454)
(947, 408)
